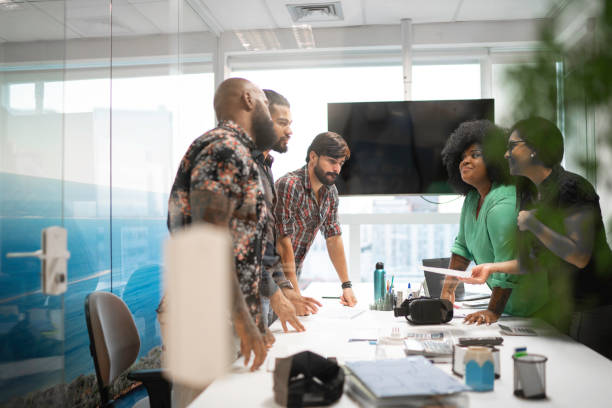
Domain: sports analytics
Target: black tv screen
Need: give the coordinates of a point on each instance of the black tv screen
(396, 146)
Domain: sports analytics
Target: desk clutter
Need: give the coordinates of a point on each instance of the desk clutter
(390, 380)
(403, 371)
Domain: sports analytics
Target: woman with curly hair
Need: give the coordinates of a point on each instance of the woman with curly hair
(561, 232)
(473, 157)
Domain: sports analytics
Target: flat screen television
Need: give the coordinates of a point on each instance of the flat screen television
(396, 146)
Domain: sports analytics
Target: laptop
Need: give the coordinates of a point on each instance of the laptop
(435, 281)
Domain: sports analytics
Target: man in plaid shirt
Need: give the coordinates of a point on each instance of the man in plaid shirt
(307, 201)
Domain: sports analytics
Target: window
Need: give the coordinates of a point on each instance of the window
(22, 97)
(436, 82)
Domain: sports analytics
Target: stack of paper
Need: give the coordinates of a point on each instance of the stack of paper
(405, 382)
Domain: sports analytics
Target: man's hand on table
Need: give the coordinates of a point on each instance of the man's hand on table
(348, 297)
(304, 306)
(268, 338)
(285, 311)
(251, 340)
(481, 317)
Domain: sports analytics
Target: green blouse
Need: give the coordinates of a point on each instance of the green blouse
(490, 237)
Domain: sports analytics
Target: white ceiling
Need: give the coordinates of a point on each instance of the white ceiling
(35, 20)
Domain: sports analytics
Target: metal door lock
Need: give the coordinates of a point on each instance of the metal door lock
(54, 260)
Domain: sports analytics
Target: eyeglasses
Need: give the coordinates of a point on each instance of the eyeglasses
(512, 144)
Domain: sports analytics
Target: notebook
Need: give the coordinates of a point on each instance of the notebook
(389, 382)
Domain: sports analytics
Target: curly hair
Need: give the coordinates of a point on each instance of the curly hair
(493, 140)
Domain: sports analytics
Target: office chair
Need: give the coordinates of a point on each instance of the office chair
(114, 345)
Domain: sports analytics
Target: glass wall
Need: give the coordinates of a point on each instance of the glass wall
(97, 108)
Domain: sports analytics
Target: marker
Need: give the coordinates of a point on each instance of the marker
(520, 351)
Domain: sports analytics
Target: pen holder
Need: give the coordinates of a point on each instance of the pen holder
(530, 376)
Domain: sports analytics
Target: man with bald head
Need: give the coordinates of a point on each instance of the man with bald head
(218, 182)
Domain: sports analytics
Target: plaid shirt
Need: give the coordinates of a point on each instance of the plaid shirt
(221, 161)
(299, 216)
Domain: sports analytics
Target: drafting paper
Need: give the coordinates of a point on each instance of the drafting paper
(445, 271)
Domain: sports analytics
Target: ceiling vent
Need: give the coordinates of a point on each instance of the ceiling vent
(315, 13)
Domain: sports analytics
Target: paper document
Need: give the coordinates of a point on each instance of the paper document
(410, 376)
(445, 271)
(339, 312)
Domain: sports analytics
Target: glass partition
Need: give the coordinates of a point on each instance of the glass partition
(33, 326)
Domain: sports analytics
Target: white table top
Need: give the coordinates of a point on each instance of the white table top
(576, 376)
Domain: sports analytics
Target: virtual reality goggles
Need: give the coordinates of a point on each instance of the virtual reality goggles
(425, 310)
(307, 379)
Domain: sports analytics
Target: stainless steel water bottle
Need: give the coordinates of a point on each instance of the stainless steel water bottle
(379, 281)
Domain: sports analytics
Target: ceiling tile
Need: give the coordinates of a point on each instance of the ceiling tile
(240, 14)
(191, 21)
(483, 10)
(92, 18)
(392, 11)
(29, 24)
(57, 10)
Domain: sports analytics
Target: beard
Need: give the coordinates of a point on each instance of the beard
(325, 178)
(281, 145)
(263, 129)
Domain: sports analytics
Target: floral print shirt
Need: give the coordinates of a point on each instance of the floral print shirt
(220, 161)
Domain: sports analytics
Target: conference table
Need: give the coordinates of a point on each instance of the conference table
(576, 376)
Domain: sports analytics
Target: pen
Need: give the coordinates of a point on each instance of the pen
(352, 340)
(330, 297)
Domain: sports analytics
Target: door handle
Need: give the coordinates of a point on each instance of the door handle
(54, 257)
(36, 254)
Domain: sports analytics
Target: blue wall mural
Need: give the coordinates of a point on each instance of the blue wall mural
(122, 254)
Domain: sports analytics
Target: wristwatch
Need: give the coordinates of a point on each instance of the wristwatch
(285, 284)
(347, 284)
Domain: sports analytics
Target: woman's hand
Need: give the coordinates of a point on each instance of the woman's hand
(480, 274)
(525, 220)
(483, 316)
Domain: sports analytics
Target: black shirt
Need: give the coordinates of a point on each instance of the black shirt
(563, 194)
(272, 272)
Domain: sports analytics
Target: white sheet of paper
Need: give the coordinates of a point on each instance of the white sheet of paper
(445, 271)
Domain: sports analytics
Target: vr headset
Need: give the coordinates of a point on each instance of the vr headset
(425, 310)
(307, 379)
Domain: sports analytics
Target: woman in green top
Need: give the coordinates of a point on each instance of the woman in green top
(474, 160)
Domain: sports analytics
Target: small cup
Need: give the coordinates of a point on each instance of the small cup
(530, 376)
(479, 368)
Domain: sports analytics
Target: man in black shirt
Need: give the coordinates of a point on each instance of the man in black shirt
(276, 290)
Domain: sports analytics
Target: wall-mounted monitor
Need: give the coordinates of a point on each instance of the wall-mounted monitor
(396, 146)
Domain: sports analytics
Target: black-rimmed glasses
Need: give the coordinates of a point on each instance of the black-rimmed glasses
(513, 143)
